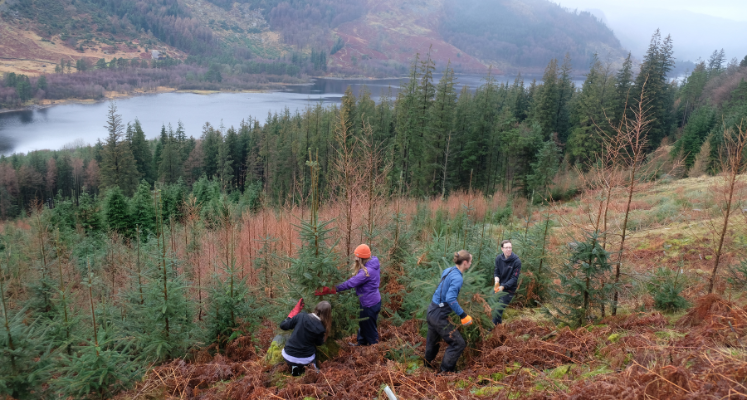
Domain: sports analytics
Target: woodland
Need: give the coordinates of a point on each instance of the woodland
(137, 268)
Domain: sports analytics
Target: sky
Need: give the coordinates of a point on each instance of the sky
(729, 9)
(698, 27)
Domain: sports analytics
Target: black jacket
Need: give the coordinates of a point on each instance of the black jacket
(508, 271)
(308, 332)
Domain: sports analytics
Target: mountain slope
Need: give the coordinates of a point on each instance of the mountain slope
(348, 37)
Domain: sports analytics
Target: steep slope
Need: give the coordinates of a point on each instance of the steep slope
(341, 37)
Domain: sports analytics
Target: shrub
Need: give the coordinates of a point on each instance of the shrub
(666, 287)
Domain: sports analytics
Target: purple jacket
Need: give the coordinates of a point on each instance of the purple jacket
(366, 287)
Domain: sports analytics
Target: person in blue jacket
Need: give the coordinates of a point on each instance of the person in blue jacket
(443, 303)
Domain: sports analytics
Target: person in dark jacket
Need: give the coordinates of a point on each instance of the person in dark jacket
(365, 280)
(309, 331)
(507, 270)
(444, 301)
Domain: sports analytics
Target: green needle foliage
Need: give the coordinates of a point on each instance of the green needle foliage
(666, 287)
(21, 375)
(95, 371)
(536, 276)
(583, 286)
(316, 266)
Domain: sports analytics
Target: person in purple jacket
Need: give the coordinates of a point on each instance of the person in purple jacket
(366, 283)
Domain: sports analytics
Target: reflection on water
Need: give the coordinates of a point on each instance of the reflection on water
(72, 124)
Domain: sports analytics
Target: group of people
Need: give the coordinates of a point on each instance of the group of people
(310, 330)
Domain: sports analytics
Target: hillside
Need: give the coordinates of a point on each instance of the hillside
(353, 37)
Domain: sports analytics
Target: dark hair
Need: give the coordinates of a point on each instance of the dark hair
(323, 310)
(461, 256)
(504, 242)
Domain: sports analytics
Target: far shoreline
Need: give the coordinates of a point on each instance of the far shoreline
(110, 96)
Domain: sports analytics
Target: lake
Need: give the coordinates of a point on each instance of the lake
(64, 125)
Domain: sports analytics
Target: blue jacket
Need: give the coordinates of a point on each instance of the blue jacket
(452, 284)
(366, 287)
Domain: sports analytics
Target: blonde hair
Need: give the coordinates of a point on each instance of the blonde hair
(360, 264)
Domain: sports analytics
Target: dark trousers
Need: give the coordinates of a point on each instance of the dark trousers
(503, 302)
(439, 328)
(298, 369)
(368, 332)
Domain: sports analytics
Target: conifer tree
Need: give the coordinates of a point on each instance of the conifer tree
(170, 167)
(441, 125)
(118, 166)
(651, 85)
(592, 111)
(546, 107)
(97, 370)
(21, 376)
(141, 151)
(544, 169)
(582, 285)
(315, 266)
(118, 217)
(142, 213)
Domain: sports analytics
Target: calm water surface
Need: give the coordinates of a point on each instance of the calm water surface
(78, 124)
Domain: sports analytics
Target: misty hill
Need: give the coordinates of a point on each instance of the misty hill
(318, 36)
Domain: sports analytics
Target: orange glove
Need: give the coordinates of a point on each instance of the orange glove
(467, 320)
(497, 285)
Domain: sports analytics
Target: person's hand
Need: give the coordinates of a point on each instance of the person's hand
(297, 309)
(467, 321)
(497, 287)
(325, 290)
(500, 289)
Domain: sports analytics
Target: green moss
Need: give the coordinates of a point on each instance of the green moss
(464, 383)
(274, 354)
(498, 376)
(413, 366)
(487, 390)
(560, 372)
(598, 371)
(615, 337)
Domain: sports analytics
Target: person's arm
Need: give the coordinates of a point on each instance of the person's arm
(512, 281)
(353, 282)
(496, 272)
(455, 283)
(289, 323)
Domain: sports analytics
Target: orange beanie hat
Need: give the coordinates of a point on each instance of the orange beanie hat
(363, 251)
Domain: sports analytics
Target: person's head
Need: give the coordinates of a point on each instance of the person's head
(506, 248)
(323, 310)
(462, 259)
(362, 255)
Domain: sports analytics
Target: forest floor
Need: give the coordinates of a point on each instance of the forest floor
(697, 355)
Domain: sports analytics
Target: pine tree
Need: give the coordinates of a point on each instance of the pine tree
(544, 169)
(593, 109)
(142, 212)
(98, 370)
(441, 126)
(21, 375)
(117, 212)
(315, 266)
(170, 167)
(118, 166)
(141, 152)
(652, 80)
(582, 285)
(546, 107)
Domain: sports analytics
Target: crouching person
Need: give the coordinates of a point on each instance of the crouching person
(444, 302)
(309, 331)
